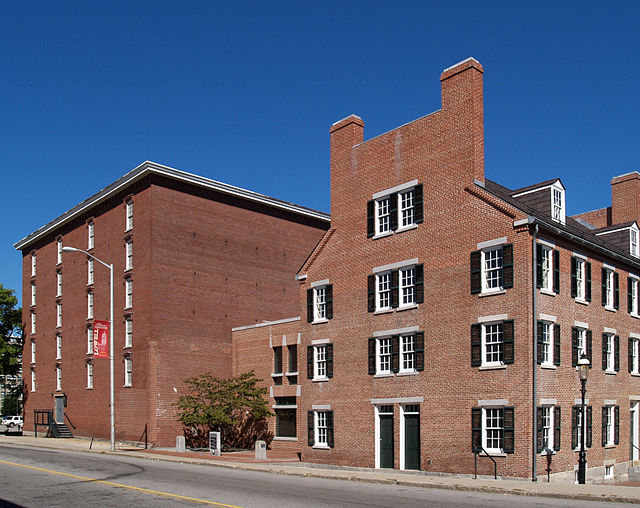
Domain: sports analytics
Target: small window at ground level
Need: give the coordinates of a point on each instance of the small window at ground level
(285, 422)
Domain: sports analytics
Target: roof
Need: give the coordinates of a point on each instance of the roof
(148, 168)
(535, 186)
(614, 227)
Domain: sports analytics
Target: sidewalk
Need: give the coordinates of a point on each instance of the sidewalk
(287, 463)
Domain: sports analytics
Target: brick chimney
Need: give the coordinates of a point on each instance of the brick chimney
(345, 134)
(625, 198)
(462, 102)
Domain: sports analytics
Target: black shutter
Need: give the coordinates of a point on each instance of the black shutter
(589, 427)
(574, 427)
(508, 338)
(393, 211)
(587, 290)
(574, 277)
(616, 290)
(330, 428)
(329, 296)
(604, 425)
(604, 350)
(629, 355)
(395, 300)
(509, 430)
(372, 355)
(538, 429)
(419, 351)
(371, 293)
(589, 344)
(556, 271)
(616, 353)
(476, 429)
(310, 427)
(557, 427)
(395, 353)
(309, 362)
(329, 351)
(603, 286)
(538, 266)
(629, 296)
(556, 344)
(476, 345)
(309, 305)
(616, 425)
(371, 218)
(507, 266)
(476, 272)
(418, 207)
(539, 340)
(574, 346)
(419, 283)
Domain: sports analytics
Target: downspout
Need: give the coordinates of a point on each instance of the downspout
(534, 419)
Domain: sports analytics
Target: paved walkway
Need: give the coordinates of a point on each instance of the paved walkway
(287, 463)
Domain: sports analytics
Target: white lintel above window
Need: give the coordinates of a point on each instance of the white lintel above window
(395, 189)
(492, 243)
(548, 317)
(612, 331)
(320, 283)
(609, 267)
(320, 341)
(493, 402)
(397, 331)
(490, 319)
(580, 324)
(395, 266)
(546, 243)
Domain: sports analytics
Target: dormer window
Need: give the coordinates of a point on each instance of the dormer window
(633, 242)
(557, 203)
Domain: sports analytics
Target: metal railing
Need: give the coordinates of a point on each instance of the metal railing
(495, 464)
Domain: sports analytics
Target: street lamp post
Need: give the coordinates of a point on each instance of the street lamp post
(111, 364)
(583, 371)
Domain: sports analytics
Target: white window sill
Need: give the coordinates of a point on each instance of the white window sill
(408, 373)
(491, 453)
(635, 374)
(637, 316)
(493, 292)
(383, 311)
(127, 346)
(319, 321)
(385, 374)
(320, 380)
(321, 447)
(285, 438)
(406, 228)
(89, 387)
(544, 454)
(128, 229)
(546, 291)
(128, 308)
(277, 374)
(291, 373)
(610, 372)
(609, 445)
(408, 307)
(382, 235)
(128, 269)
(492, 367)
(548, 366)
(127, 386)
(581, 301)
(610, 309)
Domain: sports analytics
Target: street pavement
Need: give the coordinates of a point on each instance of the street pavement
(287, 463)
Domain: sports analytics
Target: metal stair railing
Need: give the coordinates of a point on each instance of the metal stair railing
(495, 464)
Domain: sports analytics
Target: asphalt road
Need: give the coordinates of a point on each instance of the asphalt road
(34, 477)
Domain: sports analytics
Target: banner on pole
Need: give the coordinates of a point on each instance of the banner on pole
(101, 339)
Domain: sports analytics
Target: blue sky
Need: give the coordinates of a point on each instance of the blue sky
(245, 93)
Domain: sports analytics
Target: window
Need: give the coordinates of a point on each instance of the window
(399, 288)
(492, 344)
(89, 375)
(58, 347)
(492, 269)
(396, 354)
(33, 380)
(610, 352)
(89, 272)
(557, 205)
(90, 235)
(547, 268)
(608, 471)
(633, 356)
(33, 264)
(610, 289)
(397, 209)
(129, 250)
(492, 429)
(129, 211)
(633, 242)
(128, 300)
(89, 340)
(320, 425)
(610, 425)
(548, 343)
(33, 293)
(33, 322)
(320, 361)
(548, 430)
(293, 359)
(581, 340)
(33, 351)
(59, 283)
(128, 370)
(89, 305)
(285, 409)
(580, 279)
(277, 364)
(320, 303)
(577, 427)
(59, 248)
(128, 334)
(58, 378)
(632, 296)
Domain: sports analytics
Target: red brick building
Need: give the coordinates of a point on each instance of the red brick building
(192, 258)
(443, 314)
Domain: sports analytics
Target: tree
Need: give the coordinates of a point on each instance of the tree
(10, 340)
(236, 407)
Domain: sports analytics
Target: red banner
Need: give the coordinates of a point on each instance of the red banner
(101, 339)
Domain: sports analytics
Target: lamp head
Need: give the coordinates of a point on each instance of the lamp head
(583, 367)
(69, 249)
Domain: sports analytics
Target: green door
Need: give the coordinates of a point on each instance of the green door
(412, 442)
(386, 441)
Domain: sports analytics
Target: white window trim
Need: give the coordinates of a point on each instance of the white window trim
(89, 376)
(90, 272)
(316, 313)
(33, 293)
(128, 293)
(494, 452)
(33, 264)
(551, 442)
(128, 215)
(316, 362)
(59, 251)
(379, 371)
(58, 378)
(33, 351)
(387, 194)
(316, 430)
(58, 314)
(58, 346)
(89, 340)
(33, 380)
(59, 283)
(562, 215)
(128, 262)
(610, 428)
(483, 269)
(401, 288)
(635, 296)
(483, 345)
(581, 283)
(550, 361)
(90, 235)
(128, 332)
(128, 372)
(635, 370)
(634, 229)
(610, 283)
